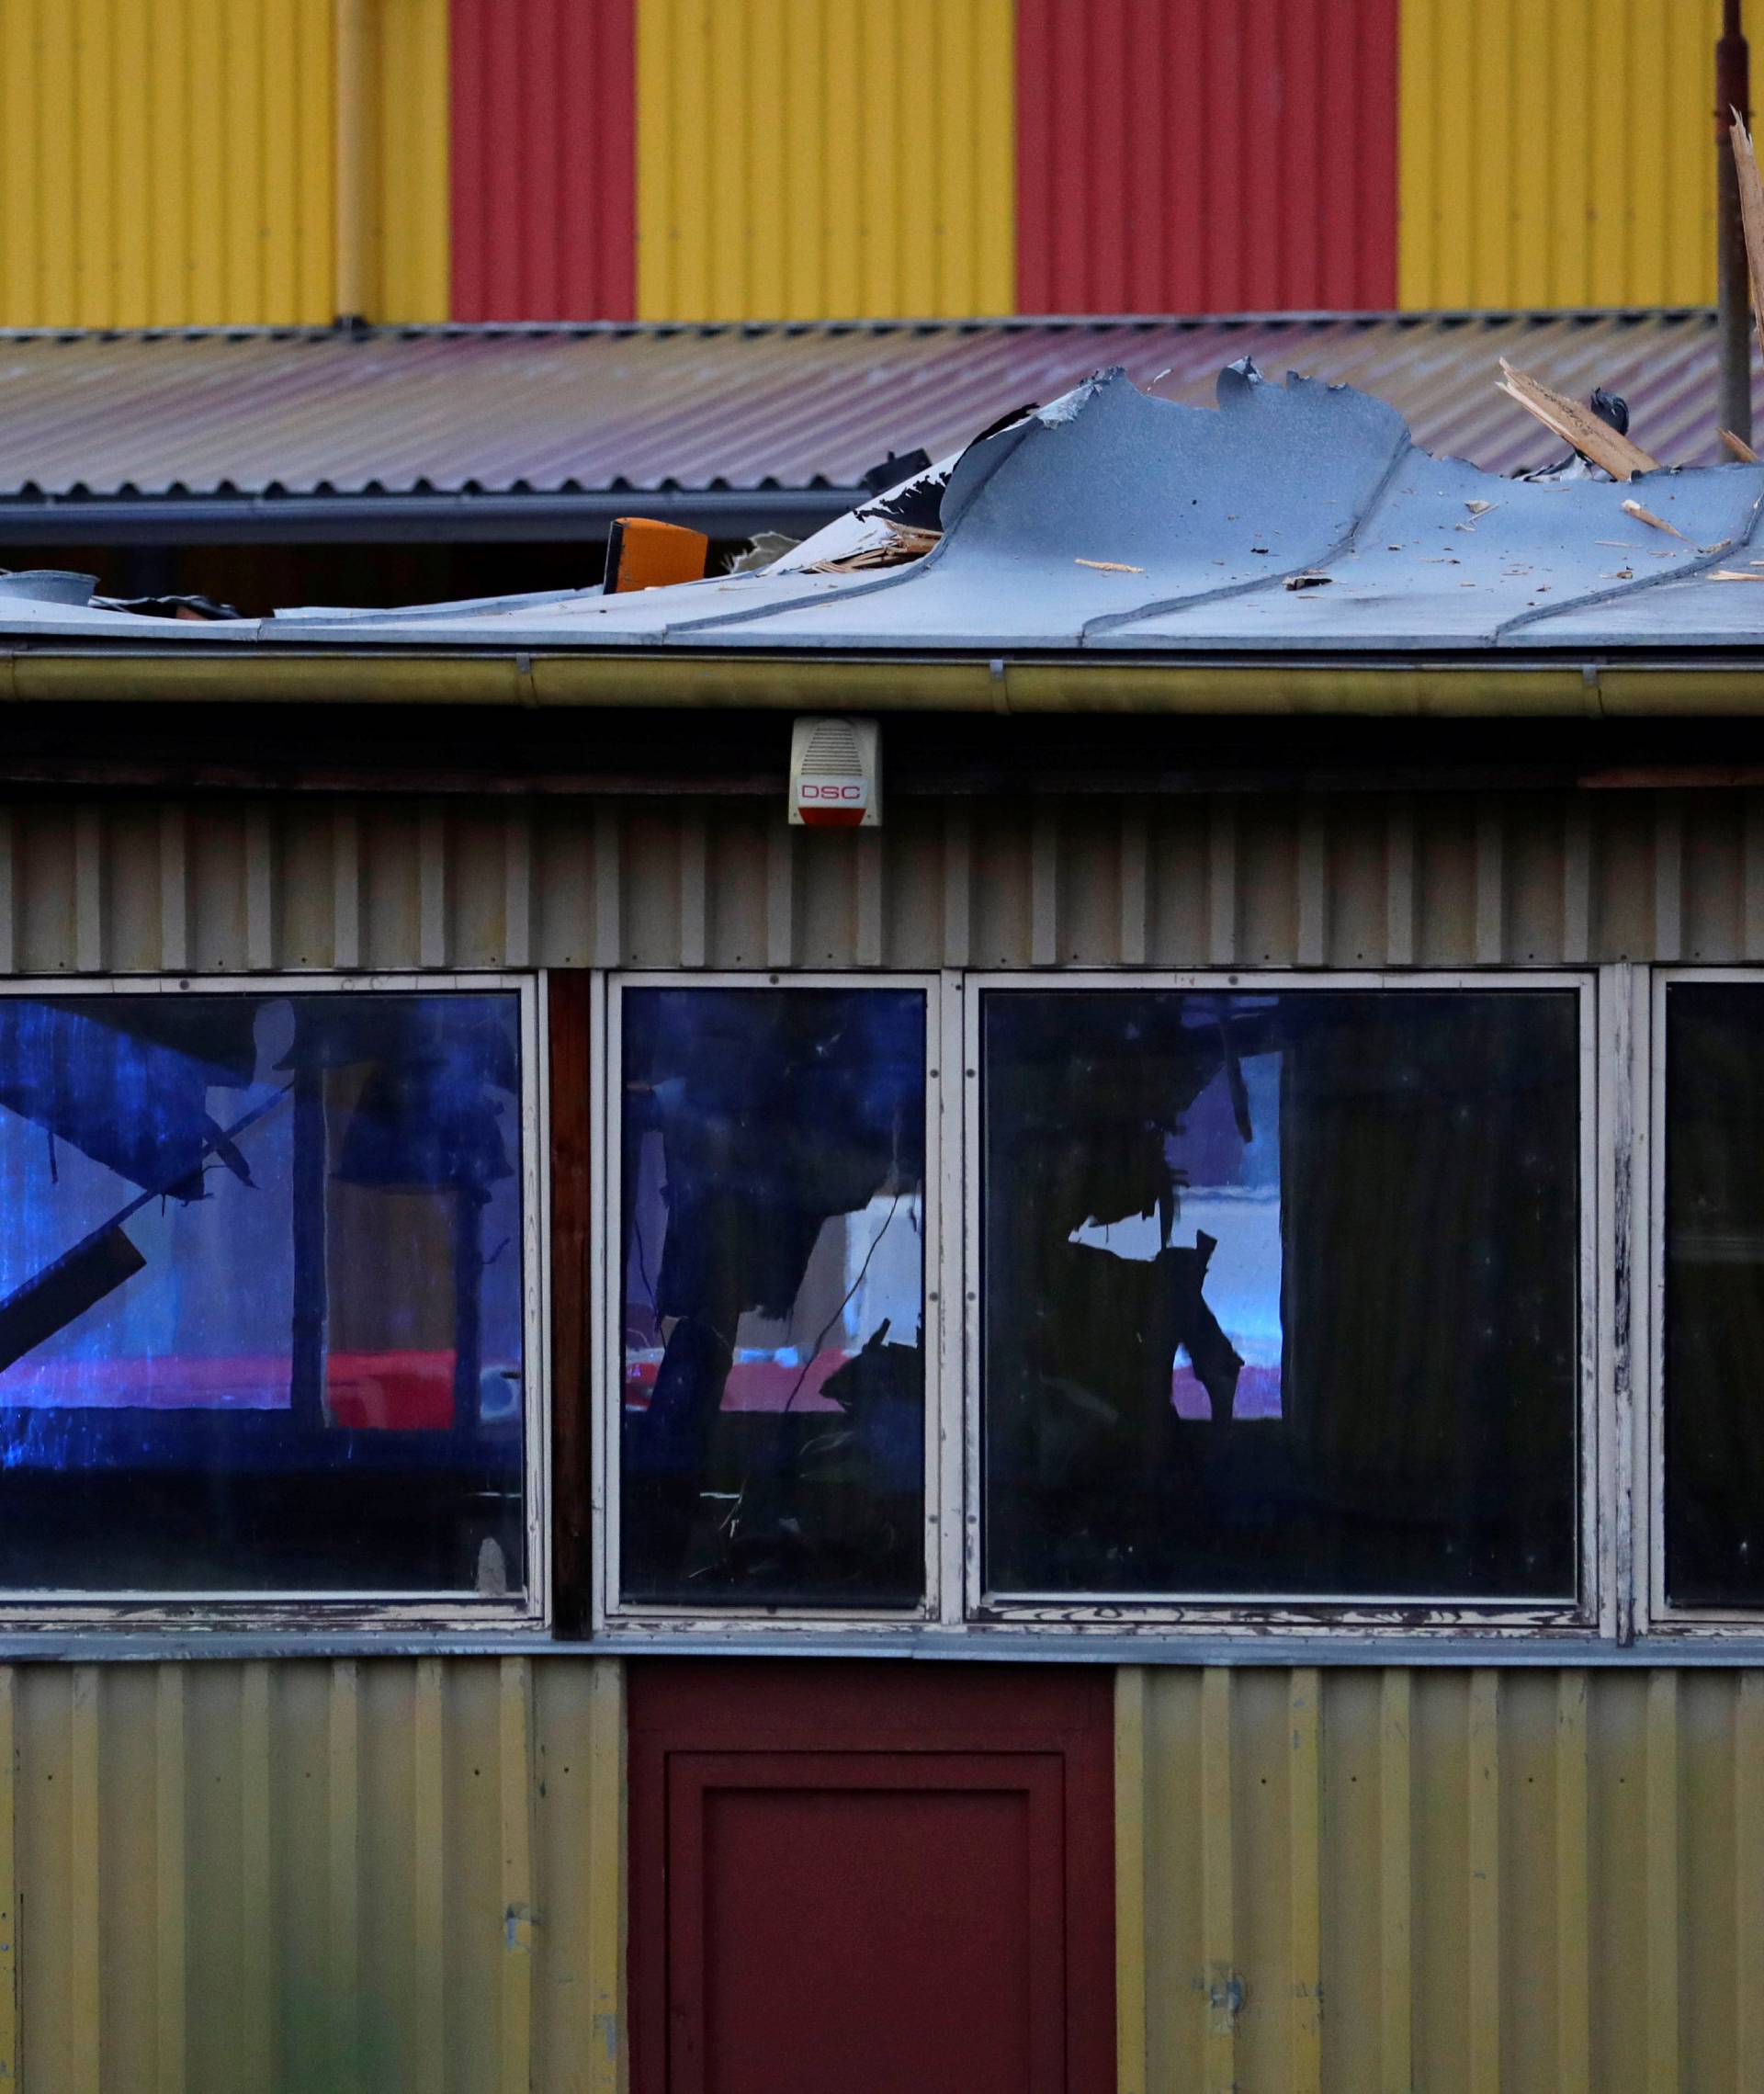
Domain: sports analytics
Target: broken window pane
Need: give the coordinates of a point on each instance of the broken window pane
(1714, 1294)
(772, 1234)
(261, 1299)
(1280, 1292)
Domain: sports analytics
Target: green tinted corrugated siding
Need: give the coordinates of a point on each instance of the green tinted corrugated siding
(1474, 1882)
(351, 1877)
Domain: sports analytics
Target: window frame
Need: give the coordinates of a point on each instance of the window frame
(1657, 1615)
(1591, 1612)
(221, 1609)
(613, 1616)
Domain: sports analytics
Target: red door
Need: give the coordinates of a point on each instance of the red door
(860, 1878)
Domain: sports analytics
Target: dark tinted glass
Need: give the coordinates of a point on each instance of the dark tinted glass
(1714, 1294)
(1281, 1293)
(260, 1293)
(774, 1296)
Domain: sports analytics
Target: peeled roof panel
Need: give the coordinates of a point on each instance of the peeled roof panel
(793, 407)
(1292, 518)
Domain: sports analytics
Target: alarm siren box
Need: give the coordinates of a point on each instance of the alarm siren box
(835, 773)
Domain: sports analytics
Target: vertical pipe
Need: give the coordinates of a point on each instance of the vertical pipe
(1733, 91)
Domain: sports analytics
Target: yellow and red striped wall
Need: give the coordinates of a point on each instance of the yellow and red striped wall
(167, 163)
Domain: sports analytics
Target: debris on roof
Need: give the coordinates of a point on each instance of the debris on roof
(1289, 520)
(1599, 437)
(644, 554)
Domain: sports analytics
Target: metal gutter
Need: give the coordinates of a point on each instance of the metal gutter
(392, 520)
(1478, 686)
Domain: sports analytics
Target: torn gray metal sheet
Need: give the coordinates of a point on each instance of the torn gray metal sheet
(1113, 521)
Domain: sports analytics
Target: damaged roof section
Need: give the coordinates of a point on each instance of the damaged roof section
(1294, 519)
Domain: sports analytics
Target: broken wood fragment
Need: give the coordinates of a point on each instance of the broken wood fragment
(1309, 581)
(1751, 211)
(1648, 517)
(1109, 566)
(1741, 449)
(1734, 575)
(1576, 425)
(904, 542)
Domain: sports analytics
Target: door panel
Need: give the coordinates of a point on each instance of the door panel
(874, 1879)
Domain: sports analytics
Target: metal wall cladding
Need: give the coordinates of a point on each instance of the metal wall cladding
(1558, 156)
(1235, 157)
(1479, 1882)
(805, 158)
(361, 1877)
(410, 236)
(171, 163)
(544, 116)
(165, 162)
(1450, 880)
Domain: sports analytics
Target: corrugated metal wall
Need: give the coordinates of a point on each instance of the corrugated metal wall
(1473, 1882)
(165, 162)
(544, 115)
(352, 1877)
(799, 158)
(410, 238)
(1454, 880)
(402, 1874)
(173, 161)
(1232, 157)
(1558, 156)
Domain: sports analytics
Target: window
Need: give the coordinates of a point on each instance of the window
(265, 1290)
(771, 1296)
(1280, 1292)
(1713, 1293)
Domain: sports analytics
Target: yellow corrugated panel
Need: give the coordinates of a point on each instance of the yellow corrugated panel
(165, 162)
(171, 163)
(385, 1876)
(1499, 1880)
(410, 240)
(801, 159)
(1558, 156)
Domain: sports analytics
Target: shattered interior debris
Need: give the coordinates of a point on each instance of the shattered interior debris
(260, 1293)
(772, 1233)
(1280, 1292)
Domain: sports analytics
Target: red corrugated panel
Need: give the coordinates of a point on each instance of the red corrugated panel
(544, 128)
(1182, 158)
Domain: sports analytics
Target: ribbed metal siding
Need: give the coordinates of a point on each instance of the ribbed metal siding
(411, 233)
(364, 1877)
(1560, 155)
(1231, 157)
(1450, 880)
(801, 159)
(543, 160)
(1478, 1881)
(165, 162)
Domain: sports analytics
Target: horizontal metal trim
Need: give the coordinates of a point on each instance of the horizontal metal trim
(1703, 1653)
(401, 519)
(753, 330)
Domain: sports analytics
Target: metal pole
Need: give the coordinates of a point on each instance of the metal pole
(1733, 91)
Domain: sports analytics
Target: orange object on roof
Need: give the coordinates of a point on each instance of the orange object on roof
(643, 554)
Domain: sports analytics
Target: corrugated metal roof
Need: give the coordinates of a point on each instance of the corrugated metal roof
(498, 411)
(1296, 521)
